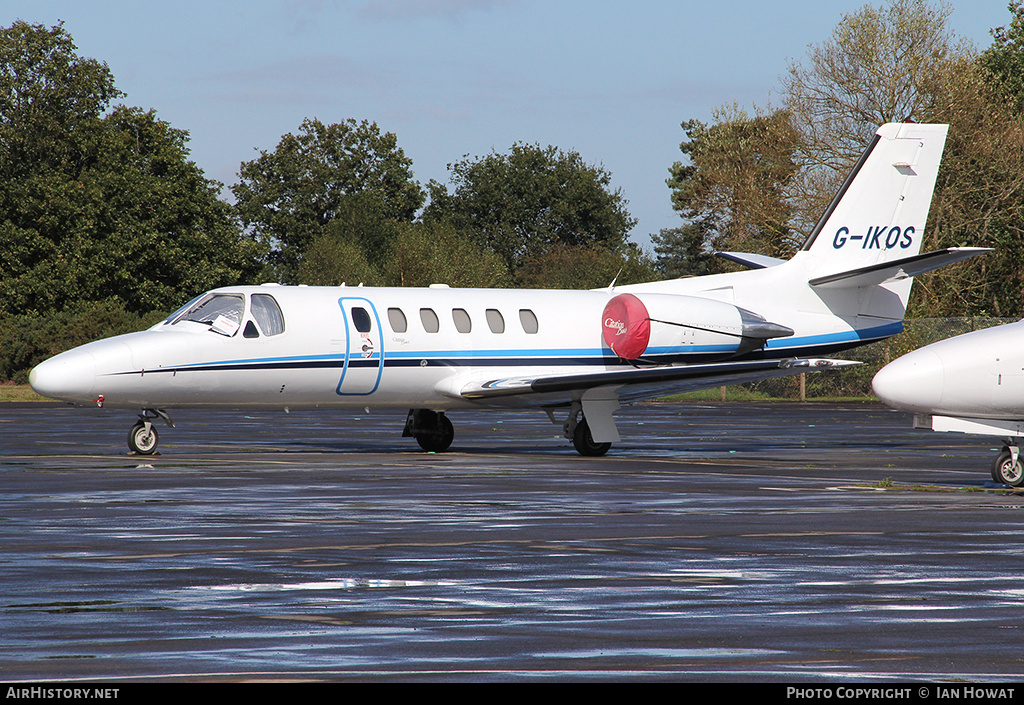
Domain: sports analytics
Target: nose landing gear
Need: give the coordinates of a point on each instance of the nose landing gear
(143, 438)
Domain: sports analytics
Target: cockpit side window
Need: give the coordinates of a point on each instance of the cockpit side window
(267, 314)
(173, 318)
(222, 312)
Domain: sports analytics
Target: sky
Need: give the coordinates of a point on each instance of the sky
(459, 78)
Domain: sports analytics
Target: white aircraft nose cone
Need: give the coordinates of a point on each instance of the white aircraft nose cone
(913, 382)
(70, 376)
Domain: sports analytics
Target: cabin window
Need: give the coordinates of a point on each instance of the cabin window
(495, 321)
(397, 320)
(222, 312)
(463, 324)
(250, 330)
(361, 319)
(429, 319)
(529, 320)
(267, 314)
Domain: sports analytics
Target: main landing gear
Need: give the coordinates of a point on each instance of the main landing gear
(578, 431)
(143, 438)
(431, 429)
(583, 441)
(1008, 468)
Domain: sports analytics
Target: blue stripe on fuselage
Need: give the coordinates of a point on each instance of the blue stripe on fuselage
(550, 357)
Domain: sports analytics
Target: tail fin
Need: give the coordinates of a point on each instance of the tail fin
(879, 214)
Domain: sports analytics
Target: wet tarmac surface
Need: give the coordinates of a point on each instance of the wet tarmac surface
(716, 542)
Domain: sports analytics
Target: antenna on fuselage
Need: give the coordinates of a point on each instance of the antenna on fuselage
(614, 279)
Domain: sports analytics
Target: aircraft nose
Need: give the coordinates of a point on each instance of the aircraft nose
(69, 376)
(913, 382)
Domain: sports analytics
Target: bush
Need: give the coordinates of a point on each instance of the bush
(26, 340)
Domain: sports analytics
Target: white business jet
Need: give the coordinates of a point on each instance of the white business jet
(575, 354)
(973, 383)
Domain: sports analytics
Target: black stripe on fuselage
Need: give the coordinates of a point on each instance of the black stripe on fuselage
(459, 362)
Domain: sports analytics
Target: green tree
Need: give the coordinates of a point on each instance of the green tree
(731, 192)
(27, 339)
(352, 247)
(1004, 60)
(581, 267)
(333, 260)
(687, 251)
(287, 197)
(903, 61)
(886, 64)
(436, 253)
(900, 61)
(979, 197)
(524, 203)
(95, 206)
(51, 100)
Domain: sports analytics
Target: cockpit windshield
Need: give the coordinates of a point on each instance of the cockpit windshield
(222, 312)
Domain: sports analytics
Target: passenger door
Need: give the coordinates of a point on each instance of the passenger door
(364, 347)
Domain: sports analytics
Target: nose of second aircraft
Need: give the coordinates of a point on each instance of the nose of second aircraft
(69, 376)
(913, 382)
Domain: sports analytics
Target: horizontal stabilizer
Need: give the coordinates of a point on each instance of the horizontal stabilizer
(896, 270)
(750, 260)
(667, 378)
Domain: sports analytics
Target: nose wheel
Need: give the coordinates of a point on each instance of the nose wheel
(143, 438)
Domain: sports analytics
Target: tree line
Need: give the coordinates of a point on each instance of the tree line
(105, 223)
(757, 181)
(100, 203)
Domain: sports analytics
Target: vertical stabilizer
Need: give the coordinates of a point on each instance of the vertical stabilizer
(879, 213)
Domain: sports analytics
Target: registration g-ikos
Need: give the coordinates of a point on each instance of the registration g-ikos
(880, 237)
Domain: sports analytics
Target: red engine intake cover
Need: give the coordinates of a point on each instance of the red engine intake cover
(626, 326)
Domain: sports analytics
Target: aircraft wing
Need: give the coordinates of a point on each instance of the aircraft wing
(642, 383)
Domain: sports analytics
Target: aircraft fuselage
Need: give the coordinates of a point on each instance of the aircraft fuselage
(363, 346)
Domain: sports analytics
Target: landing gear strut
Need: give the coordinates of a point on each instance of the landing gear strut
(143, 438)
(1008, 468)
(431, 429)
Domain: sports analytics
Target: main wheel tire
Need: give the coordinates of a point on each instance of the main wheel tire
(1008, 471)
(142, 441)
(584, 443)
(440, 439)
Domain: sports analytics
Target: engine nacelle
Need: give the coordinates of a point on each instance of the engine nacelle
(634, 324)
